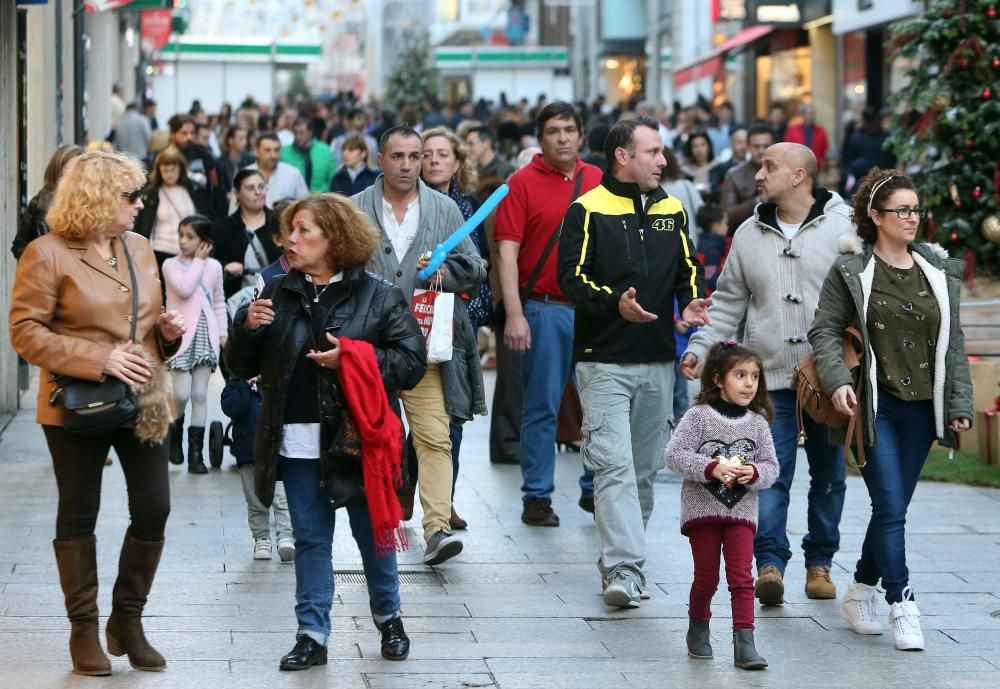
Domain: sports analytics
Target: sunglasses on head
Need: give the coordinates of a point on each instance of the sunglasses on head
(133, 195)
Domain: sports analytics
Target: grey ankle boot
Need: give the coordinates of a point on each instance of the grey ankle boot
(745, 654)
(698, 641)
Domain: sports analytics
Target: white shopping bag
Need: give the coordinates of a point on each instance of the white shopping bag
(435, 312)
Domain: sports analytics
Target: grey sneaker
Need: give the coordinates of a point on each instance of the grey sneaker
(441, 546)
(643, 593)
(622, 590)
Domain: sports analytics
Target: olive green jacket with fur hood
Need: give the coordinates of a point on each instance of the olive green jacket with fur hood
(846, 293)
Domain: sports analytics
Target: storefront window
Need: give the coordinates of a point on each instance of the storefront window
(784, 78)
(623, 77)
(855, 76)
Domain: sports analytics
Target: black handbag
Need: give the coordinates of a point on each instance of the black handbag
(343, 477)
(99, 407)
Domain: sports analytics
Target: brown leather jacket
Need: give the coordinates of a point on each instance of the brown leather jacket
(70, 309)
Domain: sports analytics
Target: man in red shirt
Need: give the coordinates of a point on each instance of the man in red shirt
(539, 317)
(809, 134)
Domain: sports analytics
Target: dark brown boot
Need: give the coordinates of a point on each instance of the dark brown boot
(455, 522)
(136, 569)
(77, 562)
(406, 500)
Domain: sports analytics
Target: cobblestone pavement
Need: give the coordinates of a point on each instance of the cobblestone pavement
(520, 608)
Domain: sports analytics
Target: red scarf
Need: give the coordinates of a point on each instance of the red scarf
(381, 434)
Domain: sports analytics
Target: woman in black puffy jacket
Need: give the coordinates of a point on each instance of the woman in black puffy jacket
(292, 338)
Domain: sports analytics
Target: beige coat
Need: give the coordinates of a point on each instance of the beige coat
(70, 309)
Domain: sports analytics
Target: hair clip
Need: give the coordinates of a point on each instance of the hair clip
(726, 345)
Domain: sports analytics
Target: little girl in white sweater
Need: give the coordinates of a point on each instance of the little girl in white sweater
(723, 449)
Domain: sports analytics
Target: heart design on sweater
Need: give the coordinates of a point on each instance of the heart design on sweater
(735, 453)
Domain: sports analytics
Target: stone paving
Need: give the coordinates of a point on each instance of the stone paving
(520, 608)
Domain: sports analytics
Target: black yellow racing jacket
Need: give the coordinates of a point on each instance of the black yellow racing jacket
(609, 243)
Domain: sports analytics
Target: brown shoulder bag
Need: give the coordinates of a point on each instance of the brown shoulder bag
(810, 398)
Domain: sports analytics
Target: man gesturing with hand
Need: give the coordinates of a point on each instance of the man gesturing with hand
(624, 256)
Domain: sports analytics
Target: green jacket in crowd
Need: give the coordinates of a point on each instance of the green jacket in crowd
(845, 294)
(323, 165)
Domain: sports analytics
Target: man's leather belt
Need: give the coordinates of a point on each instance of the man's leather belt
(549, 299)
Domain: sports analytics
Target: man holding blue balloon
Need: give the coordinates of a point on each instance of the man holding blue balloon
(413, 220)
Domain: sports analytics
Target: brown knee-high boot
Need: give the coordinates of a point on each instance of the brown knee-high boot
(77, 562)
(136, 569)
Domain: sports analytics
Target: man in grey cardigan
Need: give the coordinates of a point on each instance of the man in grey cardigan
(412, 220)
(773, 275)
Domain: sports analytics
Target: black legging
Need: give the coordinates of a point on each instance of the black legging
(78, 461)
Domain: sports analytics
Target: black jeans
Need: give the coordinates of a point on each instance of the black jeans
(78, 461)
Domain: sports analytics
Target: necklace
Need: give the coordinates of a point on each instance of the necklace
(318, 292)
(112, 261)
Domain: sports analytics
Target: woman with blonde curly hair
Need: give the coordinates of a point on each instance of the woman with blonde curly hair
(448, 167)
(333, 346)
(71, 315)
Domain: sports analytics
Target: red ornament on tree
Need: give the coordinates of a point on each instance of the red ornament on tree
(954, 236)
(996, 63)
(963, 62)
(970, 142)
(987, 93)
(977, 192)
(991, 12)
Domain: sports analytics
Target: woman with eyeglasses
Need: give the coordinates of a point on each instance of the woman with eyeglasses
(71, 314)
(903, 296)
(242, 240)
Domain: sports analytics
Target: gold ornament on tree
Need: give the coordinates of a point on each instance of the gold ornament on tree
(991, 229)
(941, 101)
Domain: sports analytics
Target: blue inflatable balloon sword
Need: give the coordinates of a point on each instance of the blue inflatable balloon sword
(440, 252)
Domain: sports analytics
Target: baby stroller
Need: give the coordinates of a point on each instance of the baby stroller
(221, 436)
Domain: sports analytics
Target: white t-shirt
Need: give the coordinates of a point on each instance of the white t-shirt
(301, 440)
(789, 229)
(401, 234)
(286, 182)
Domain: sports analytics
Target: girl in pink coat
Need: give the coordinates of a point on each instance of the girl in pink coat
(194, 287)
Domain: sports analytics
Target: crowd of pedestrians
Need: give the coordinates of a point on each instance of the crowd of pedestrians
(635, 250)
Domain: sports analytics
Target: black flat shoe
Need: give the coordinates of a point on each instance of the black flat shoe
(395, 642)
(304, 655)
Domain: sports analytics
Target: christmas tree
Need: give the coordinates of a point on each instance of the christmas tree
(414, 77)
(948, 123)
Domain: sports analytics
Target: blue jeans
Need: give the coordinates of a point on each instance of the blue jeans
(545, 368)
(905, 432)
(681, 402)
(826, 491)
(312, 524)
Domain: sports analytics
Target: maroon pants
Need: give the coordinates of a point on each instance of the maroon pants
(708, 542)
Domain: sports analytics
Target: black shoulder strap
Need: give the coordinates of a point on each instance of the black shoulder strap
(533, 278)
(135, 290)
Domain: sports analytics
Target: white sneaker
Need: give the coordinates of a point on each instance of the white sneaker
(262, 549)
(860, 608)
(286, 549)
(905, 620)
